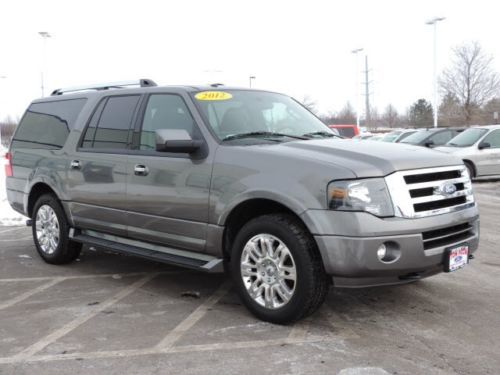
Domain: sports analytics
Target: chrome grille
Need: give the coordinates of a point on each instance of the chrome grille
(447, 236)
(431, 191)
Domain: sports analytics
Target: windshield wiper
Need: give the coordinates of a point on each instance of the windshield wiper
(259, 133)
(323, 133)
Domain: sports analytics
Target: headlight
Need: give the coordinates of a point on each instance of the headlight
(369, 195)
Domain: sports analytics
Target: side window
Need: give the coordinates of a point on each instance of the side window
(111, 129)
(442, 137)
(493, 139)
(164, 111)
(48, 124)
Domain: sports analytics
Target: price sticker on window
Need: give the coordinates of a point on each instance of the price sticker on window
(213, 95)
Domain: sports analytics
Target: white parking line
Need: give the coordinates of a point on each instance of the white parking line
(91, 276)
(17, 239)
(29, 293)
(177, 349)
(194, 317)
(41, 344)
(12, 229)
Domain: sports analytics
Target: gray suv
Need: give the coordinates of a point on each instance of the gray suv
(250, 181)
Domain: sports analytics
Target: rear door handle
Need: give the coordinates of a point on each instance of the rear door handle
(75, 164)
(141, 170)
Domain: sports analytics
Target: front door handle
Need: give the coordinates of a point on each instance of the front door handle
(75, 164)
(141, 170)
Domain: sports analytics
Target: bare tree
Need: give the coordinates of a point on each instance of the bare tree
(390, 117)
(345, 116)
(309, 103)
(470, 78)
(7, 129)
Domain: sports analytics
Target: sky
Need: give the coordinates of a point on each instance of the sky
(301, 48)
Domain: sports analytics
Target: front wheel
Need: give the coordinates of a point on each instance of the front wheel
(277, 269)
(50, 232)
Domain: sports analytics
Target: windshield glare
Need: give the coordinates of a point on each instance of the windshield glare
(417, 137)
(240, 112)
(467, 138)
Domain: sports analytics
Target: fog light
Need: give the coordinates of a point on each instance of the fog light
(381, 251)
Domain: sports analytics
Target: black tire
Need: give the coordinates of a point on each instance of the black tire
(312, 283)
(66, 250)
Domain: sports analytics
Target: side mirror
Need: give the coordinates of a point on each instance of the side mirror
(483, 145)
(176, 140)
(429, 144)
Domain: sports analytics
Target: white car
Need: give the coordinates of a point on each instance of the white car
(479, 148)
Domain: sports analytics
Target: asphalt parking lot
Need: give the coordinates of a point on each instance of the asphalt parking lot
(115, 314)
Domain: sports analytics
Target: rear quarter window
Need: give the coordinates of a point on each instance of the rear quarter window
(47, 125)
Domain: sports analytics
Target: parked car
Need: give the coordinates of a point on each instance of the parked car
(432, 137)
(479, 148)
(215, 178)
(362, 136)
(347, 131)
(397, 136)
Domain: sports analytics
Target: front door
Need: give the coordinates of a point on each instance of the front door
(167, 193)
(490, 156)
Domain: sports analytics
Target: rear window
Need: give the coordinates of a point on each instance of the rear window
(47, 125)
(346, 132)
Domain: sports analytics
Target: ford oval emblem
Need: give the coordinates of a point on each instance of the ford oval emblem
(446, 189)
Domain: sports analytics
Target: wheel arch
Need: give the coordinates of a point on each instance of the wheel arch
(473, 166)
(36, 191)
(247, 210)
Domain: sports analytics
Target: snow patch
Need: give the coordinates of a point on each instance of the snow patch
(8, 216)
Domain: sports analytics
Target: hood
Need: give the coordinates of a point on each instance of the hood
(367, 158)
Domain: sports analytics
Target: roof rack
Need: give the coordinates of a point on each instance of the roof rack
(143, 82)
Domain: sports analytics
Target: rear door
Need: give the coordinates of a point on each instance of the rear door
(97, 171)
(490, 157)
(167, 193)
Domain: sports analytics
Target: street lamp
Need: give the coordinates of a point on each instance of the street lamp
(45, 35)
(433, 22)
(250, 81)
(356, 51)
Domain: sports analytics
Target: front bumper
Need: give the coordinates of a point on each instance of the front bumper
(348, 243)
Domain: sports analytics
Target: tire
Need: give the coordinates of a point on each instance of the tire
(470, 169)
(50, 232)
(269, 274)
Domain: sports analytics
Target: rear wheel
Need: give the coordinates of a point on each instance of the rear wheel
(50, 232)
(277, 269)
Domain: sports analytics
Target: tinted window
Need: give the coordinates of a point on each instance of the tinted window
(493, 139)
(164, 111)
(47, 125)
(417, 138)
(111, 129)
(346, 132)
(441, 138)
(404, 136)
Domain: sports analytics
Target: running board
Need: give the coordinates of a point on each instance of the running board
(183, 258)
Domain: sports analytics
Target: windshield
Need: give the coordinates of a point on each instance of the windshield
(391, 137)
(258, 114)
(417, 137)
(467, 138)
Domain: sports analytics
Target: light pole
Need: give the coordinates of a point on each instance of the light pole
(356, 51)
(250, 81)
(45, 35)
(434, 22)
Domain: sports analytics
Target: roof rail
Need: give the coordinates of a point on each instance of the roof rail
(143, 82)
